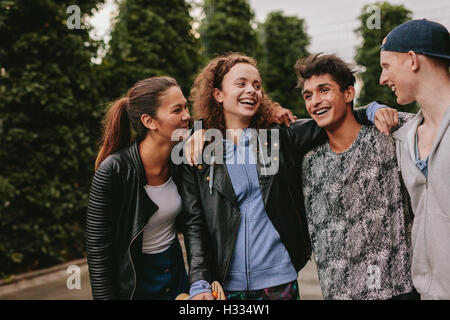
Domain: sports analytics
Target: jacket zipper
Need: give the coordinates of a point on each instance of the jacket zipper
(132, 264)
(425, 238)
(246, 233)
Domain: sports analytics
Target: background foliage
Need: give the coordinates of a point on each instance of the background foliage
(368, 55)
(48, 106)
(150, 38)
(284, 41)
(227, 26)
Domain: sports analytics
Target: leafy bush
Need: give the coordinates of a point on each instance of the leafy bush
(49, 126)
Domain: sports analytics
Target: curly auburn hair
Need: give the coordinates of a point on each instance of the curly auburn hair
(206, 107)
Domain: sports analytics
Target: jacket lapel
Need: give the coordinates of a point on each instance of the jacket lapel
(221, 181)
(266, 179)
(442, 130)
(145, 207)
(407, 133)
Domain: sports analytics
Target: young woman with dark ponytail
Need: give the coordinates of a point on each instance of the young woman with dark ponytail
(132, 246)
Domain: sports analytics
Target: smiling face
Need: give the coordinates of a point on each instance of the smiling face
(325, 102)
(172, 114)
(240, 94)
(397, 75)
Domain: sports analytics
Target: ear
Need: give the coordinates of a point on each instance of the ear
(148, 122)
(413, 60)
(218, 95)
(349, 94)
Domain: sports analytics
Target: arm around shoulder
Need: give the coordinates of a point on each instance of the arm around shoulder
(304, 134)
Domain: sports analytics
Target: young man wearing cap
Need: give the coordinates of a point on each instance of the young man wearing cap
(415, 60)
(358, 210)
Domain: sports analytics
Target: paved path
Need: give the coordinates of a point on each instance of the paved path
(53, 286)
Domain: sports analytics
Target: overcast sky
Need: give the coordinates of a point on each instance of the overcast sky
(330, 23)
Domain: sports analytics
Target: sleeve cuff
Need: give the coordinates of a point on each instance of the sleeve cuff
(372, 108)
(200, 286)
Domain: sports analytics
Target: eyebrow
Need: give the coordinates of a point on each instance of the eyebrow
(319, 86)
(179, 104)
(244, 78)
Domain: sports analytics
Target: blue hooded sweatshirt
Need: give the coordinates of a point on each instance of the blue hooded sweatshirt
(259, 259)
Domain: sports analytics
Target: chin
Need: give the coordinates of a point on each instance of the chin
(403, 102)
(322, 123)
(248, 114)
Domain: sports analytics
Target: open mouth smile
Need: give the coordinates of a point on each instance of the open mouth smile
(321, 111)
(394, 89)
(248, 101)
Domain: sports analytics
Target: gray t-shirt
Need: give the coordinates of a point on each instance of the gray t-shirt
(359, 218)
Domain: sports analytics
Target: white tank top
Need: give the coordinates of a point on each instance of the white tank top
(160, 230)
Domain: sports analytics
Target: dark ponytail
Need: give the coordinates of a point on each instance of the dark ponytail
(116, 130)
(142, 98)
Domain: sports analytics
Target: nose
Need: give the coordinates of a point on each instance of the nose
(383, 78)
(186, 116)
(249, 88)
(316, 100)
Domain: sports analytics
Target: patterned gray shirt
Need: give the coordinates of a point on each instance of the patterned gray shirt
(359, 218)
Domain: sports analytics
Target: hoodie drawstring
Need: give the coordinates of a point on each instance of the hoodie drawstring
(261, 156)
(211, 173)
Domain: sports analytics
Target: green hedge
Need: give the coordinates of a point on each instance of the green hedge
(52, 98)
(49, 116)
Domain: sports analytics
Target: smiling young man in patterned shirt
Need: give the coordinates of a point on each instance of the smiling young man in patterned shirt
(358, 209)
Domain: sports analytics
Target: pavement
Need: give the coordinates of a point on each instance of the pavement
(61, 283)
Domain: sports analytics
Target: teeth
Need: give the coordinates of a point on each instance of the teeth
(321, 111)
(247, 101)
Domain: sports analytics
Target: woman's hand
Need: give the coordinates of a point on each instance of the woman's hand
(386, 119)
(282, 116)
(203, 296)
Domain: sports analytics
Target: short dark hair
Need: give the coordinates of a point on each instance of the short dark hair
(318, 64)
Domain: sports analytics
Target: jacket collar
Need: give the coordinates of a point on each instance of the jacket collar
(145, 206)
(407, 133)
(137, 162)
(220, 178)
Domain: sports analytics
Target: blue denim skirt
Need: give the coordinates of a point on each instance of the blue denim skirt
(161, 276)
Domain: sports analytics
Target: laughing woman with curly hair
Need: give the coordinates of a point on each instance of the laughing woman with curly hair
(244, 225)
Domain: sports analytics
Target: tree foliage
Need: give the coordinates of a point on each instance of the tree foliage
(49, 123)
(150, 38)
(227, 26)
(368, 55)
(284, 41)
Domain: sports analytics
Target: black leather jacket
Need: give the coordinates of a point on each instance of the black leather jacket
(118, 210)
(212, 218)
